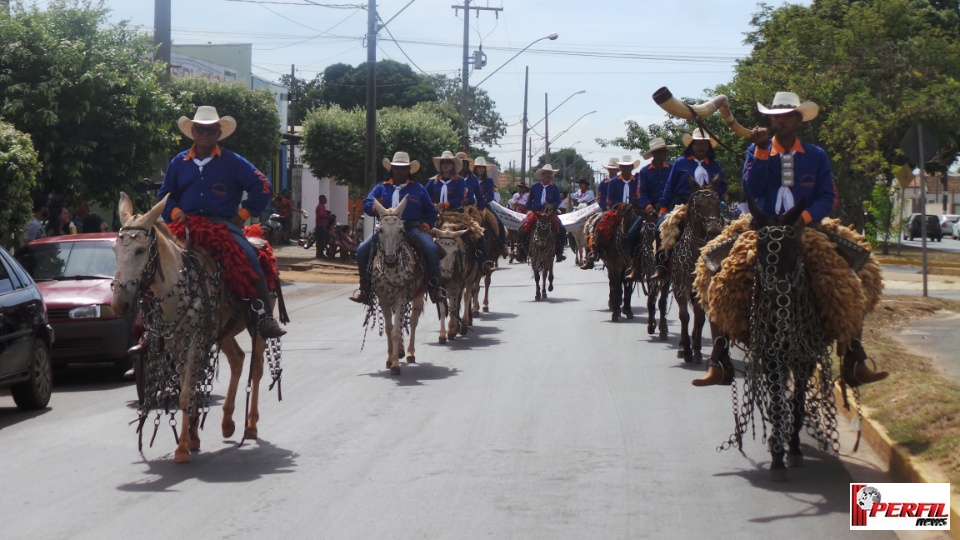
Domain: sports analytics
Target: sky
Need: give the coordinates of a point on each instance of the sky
(618, 51)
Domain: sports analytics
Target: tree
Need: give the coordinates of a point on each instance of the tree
(881, 219)
(486, 124)
(334, 141)
(18, 172)
(307, 95)
(85, 93)
(258, 123)
(572, 167)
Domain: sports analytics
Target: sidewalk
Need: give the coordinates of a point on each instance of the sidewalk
(907, 280)
(294, 258)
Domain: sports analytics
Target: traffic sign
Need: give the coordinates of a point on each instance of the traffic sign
(905, 176)
(911, 144)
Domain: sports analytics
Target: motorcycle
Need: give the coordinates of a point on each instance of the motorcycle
(272, 230)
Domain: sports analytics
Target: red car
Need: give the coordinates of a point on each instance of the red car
(74, 274)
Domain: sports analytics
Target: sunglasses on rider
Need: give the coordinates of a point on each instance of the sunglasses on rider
(211, 129)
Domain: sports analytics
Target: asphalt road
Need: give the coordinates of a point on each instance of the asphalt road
(547, 421)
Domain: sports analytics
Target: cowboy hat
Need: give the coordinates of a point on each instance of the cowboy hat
(480, 162)
(785, 102)
(698, 135)
(546, 168)
(462, 156)
(523, 186)
(625, 160)
(612, 164)
(655, 145)
(206, 116)
(448, 155)
(401, 159)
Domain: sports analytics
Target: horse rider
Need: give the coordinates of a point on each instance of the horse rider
(419, 216)
(488, 193)
(518, 202)
(612, 170)
(651, 180)
(584, 195)
(471, 183)
(448, 190)
(698, 162)
(544, 196)
(779, 171)
(208, 180)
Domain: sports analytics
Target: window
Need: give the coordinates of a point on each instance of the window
(6, 284)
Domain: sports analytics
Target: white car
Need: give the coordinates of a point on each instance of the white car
(947, 222)
(956, 231)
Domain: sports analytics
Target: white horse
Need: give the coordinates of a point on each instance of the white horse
(399, 279)
(150, 259)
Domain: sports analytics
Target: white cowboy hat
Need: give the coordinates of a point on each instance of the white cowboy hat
(785, 102)
(655, 145)
(612, 164)
(462, 156)
(401, 159)
(546, 168)
(207, 115)
(625, 160)
(479, 162)
(698, 135)
(448, 155)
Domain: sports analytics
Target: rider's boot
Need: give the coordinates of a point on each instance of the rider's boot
(522, 249)
(267, 326)
(719, 368)
(854, 370)
(436, 292)
(589, 260)
(486, 266)
(362, 295)
(663, 267)
(636, 270)
(560, 248)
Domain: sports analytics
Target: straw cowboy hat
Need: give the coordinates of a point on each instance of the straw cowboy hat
(612, 165)
(206, 116)
(546, 168)
(785, 102)
(462, 156)
(625, 160)
(698, 135)
(401, 159)
(448, 155)
(480, 162)
(655, 145)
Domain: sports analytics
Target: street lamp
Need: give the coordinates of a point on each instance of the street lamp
(557, 107)
(551, 37)
(571, 126)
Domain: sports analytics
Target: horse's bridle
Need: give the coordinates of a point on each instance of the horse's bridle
(704, 222)
(146, 276)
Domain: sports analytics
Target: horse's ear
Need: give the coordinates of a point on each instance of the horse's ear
(125, 209)
(715, 183)
(435, 232)
(378, 207)
(401, 206)
(758, 219)
(793, 215)
(151, 217)
(693, 183)
(458, 234)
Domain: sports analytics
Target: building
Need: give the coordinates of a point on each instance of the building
(941, 199)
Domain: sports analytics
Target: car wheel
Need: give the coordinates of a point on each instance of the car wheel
(122, 365)
(34, 393)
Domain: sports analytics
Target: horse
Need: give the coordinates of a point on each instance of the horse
(458, 271)
(185, 284)
(399, 282)
(702, 223)
(491, 235)
(543, 247)
(788, 376)
(616, 259)
(656, 290)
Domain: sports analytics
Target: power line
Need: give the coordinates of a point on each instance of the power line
(385, 27)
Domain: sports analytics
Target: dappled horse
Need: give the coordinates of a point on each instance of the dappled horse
(702, 223)
(656, 290)
(398, 277)
(615, 254)
(543, 247)
(197, 312)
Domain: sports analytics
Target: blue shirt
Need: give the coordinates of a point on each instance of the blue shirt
(536, 193)
(813, 180)
(652, 181)
(678, 187)
(471, 186)
(217, 189)
(602, 190)
(456, 191)
(616, 187)
(487, 191)
(419, 209)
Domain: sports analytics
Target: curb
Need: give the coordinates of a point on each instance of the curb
(911, 262)
(897, 458)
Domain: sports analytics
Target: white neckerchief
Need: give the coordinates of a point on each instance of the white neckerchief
(443, 190)
(543, 195)
(396, 197)
(701, 175)
(785, 195)
(201, 162)
(626, 191)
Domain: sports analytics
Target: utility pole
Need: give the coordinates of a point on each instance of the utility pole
(465, 91)
(523, 137)
(546, 130)
(161, 35)
(291, 125)
(370, 159)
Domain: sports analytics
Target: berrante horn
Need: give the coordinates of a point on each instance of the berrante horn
(677, 108)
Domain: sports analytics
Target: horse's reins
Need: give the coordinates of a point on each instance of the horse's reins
(145, 278)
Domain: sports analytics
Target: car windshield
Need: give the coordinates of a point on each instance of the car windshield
(69, 260)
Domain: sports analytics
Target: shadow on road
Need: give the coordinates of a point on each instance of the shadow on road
(413, 374)
(12, 415)
(494, 316)
(252, 461)
(87, 377)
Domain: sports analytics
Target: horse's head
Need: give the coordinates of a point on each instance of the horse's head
(136, 250)
(390, 230)
(450, 240)
(704, 208)
(778, 239)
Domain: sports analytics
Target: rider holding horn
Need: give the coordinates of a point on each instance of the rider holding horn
(419, 216)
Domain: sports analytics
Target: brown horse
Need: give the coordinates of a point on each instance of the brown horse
(656, 290)
(543, 247)
(616, 260)
(703, 222)
(149, 259)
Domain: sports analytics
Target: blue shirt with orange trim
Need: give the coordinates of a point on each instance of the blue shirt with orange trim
(678, 187)
(456, 190)
(419, 208)
(488, 190)
(652, 181)
(813, 180)
(602, 191)
(471, 186)
(615, 190)
(537, 195)
(216, 188)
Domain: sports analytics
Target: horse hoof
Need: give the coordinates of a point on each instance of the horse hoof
(663, 336)
(651, 328)
(250, 433)
(411, 359)
(486, 309)
(442, 341)
(628, 314)
(475, 313)
(395, 371)
(697, 357)
(228, 428)
(615, 317)
(544, 295)
(681, 353)
(388, 363)
(401, 354)
(452, 336)
(464, 329)
(550, 287)
(536, 298)
(778, 475)
(194, 445)
(795, 460)
(181, 456)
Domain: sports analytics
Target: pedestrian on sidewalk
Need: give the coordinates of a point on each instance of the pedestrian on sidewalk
(322, 222)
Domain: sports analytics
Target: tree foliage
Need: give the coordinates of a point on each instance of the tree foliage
(572, 167)
(258, 123)
(334, 141)
(485, 123)
(18, 172)
(82, 90)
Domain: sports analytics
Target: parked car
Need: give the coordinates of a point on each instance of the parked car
(25, 337)
(74, 274)
(913, 229)
(956, 230)
(947, 222)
